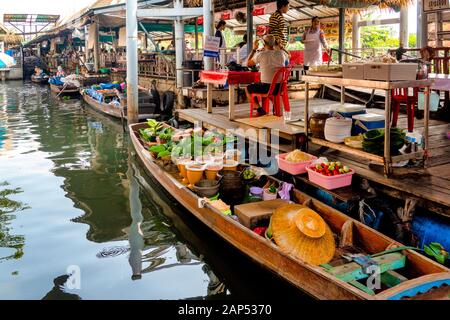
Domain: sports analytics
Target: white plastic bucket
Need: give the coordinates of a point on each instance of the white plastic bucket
(434, 101)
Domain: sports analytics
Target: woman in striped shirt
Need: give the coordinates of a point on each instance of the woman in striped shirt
(277, 24)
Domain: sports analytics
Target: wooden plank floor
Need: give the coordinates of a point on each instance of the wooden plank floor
(431, 185)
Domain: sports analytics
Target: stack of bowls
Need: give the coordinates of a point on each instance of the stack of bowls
(337, 129)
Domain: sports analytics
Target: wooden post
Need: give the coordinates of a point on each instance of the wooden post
(249, 24)
(341, 32)
(132, 62)
(231, 94)
(404, 26)
(96, 48)
(387, 134)
(208, 19)
(179, 54)
(356, 35)
(426, 120)
(306, 112)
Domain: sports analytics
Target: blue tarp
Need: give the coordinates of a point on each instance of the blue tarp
(109, 86)
(56, 81)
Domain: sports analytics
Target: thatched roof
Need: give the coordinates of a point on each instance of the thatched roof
(12, 38)
(361, 4)
(220, 5)
(8, 37)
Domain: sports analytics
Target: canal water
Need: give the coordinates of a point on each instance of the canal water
(65, 178)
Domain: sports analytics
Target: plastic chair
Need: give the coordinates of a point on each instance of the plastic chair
(399, 96)
(281, 77)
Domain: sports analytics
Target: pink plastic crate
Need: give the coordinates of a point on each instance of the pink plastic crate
(330, 182)
(293, 167)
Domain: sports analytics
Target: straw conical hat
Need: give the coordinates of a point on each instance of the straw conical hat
(301, 232)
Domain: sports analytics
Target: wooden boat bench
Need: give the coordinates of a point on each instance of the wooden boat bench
(355, 270)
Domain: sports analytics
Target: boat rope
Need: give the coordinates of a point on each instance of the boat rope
(395, 250)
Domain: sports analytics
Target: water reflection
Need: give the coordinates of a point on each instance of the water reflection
(76, 173)
(58, 292)
(11, 246)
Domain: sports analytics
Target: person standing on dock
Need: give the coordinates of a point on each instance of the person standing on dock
(277, 24)
(314, 39)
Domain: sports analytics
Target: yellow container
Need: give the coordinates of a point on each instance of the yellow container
(194, 173)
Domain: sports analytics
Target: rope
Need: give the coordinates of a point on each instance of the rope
(394, 250)
(363, 213)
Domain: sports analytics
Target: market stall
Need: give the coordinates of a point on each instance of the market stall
(230, 78)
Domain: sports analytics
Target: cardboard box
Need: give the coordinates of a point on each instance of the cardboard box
(353, 71)
(390, 71)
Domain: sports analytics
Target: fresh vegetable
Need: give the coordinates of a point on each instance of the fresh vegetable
(260, 231)
(331, 168)
(374, 140)
(272, 189)
(248, 174)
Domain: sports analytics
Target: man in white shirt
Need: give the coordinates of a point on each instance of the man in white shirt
(270, 61)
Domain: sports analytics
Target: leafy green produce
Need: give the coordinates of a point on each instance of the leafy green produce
(436, 250)
(374, 140)
(158, 148)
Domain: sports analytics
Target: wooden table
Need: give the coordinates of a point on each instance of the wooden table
(222, 77)
(387, 86)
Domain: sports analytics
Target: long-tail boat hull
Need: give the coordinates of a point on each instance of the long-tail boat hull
(425, 274)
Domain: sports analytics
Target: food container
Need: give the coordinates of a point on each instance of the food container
(317, 124)
(256, 192)
(348, 110)
(194, 173)
(353, 71)
(206, 188)
(268, 195)
(337, 129)
(230, 165)
(330, 182)
(293, 167)
(390, 71)
(231, 187)
(212, 169)
(368, 121)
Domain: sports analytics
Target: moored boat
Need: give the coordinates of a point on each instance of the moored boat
(119, 110)
(116, 111)
(66, 90)
(39, 79)
(405, 273)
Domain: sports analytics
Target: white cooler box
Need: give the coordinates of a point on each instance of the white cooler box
(390, 71)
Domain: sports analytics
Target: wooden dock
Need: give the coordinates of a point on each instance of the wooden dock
(430, 186)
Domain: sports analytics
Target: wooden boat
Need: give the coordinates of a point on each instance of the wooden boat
(67, 90)
(111, 110)
(420, 277)
(39, 79)
(119, 112)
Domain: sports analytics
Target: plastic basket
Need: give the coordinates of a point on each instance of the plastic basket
(293, 167)
(330, 182)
